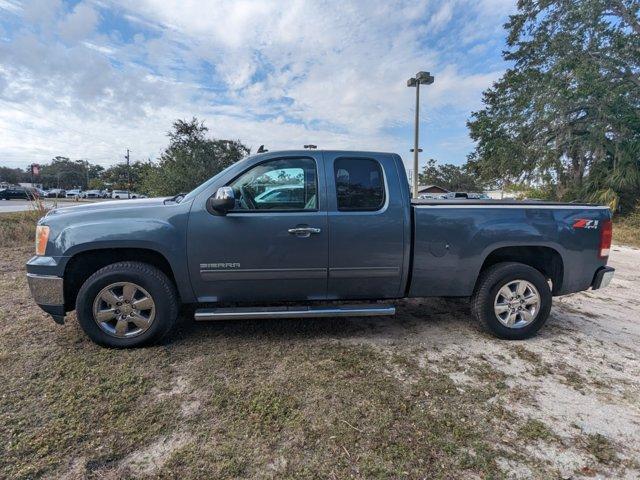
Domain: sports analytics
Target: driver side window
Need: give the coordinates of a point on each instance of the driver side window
(283, 184)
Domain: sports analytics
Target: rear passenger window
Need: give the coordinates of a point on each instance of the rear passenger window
(359, 184)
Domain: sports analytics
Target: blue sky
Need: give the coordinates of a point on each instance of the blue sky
(89, 79)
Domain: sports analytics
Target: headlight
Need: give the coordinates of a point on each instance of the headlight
(42, 237)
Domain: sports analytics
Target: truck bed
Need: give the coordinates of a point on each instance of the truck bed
(453, 238)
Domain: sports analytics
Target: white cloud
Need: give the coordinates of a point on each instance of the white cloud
(78, 24)
(278, 73)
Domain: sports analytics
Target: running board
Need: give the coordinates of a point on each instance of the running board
(293, 312)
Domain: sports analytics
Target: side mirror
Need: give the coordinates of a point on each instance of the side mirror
(222, 202)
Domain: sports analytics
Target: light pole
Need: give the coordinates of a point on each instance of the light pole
(427, 79)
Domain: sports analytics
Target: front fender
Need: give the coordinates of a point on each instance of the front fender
(158, 235)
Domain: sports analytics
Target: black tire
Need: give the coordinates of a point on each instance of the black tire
(489, 284)
(151, 279)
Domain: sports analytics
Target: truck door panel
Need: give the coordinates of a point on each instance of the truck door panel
(273, 245)
(366, 226)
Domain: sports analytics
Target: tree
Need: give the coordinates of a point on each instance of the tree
(452, 177)
(65, 173)
(13, 175)
(190, 159)
(567, 113)
(117, 176)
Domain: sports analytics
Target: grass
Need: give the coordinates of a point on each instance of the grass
(600, 447)
(535, 430)
(246, 399)
(626, 229)
(268, 399)
(18, 228)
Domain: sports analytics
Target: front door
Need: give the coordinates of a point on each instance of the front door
(273, 246)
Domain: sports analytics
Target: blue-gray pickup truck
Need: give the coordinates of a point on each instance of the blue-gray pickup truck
(289, 234)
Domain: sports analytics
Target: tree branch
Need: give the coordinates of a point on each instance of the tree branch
(618, 7)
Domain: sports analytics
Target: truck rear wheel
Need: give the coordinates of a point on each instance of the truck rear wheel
(512, 300)
(127, 304)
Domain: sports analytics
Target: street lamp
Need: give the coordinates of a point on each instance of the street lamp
(427, 79)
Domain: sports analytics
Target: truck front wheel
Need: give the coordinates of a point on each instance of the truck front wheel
(127, 304)
(512, 300)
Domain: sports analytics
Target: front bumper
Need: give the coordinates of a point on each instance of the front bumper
(48, 292)
(603, 277)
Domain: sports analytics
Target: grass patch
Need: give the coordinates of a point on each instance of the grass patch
(18, 228)
(600, 447)
(535, 430)
(626, 229)
(527, 355)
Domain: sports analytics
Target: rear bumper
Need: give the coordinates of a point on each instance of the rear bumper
(603, 277)
(48, 292)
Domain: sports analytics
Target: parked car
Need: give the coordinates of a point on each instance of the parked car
(74, 193)
(56, 193)
(126, 194)
(91, 194)
(16, 193)
(456, 195)
(281, 196)
(354, 234)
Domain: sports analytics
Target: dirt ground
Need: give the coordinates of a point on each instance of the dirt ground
(424, 394)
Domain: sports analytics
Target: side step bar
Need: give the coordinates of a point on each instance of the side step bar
(203, 314)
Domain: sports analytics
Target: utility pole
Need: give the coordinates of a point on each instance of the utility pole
(128, 175)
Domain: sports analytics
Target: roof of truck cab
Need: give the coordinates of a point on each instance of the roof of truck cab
(307, 152)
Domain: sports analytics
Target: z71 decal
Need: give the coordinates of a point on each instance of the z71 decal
(582, 223)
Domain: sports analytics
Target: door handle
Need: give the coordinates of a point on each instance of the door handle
(304, 231)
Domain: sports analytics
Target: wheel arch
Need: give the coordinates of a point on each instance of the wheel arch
(83, 264)
(547, 260)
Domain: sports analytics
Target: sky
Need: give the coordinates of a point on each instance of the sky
(89, 79)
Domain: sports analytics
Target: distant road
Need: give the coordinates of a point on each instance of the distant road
(8, 206)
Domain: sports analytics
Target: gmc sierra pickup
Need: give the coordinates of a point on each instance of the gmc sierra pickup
(286, 234)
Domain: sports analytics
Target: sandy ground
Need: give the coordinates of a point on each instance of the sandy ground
(580, 375)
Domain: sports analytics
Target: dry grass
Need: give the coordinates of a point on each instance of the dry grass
(626, 229)
(18, 228)
(319, 398)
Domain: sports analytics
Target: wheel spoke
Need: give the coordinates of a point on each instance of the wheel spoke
(121, 327)
(526, 315)
(506, 292)
(520, 288)
(143, 304)
(109, 297)
(501, 308)
(511, 320)
(128, 291)
(105, 315)
(139, 320)
(531, 299)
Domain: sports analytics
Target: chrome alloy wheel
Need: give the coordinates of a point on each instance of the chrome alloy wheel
(124, 310)
(517, 304)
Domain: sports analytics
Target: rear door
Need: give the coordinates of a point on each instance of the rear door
(368, 223)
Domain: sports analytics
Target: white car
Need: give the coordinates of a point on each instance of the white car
(92, 194)
(75, 193)
(126, 194)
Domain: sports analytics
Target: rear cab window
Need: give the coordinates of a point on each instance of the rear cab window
(359, 184)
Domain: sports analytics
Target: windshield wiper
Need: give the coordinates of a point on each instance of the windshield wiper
(176, 198)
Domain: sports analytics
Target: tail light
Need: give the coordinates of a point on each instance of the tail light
(606, 235)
